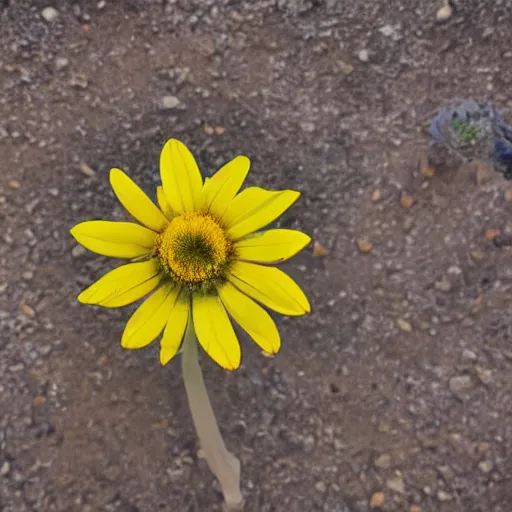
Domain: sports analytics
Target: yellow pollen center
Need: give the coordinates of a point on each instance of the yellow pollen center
(193, 248)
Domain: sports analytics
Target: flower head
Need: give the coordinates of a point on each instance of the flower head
(201, 257)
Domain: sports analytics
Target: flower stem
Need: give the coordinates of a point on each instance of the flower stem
(223, 464)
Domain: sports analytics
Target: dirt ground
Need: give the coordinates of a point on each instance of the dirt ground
(396, 392)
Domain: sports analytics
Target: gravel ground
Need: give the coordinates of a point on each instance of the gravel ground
(395, 394)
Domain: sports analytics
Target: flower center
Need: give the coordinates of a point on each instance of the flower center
(194, 249)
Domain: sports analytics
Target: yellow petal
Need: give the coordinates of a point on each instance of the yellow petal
(270, 286)
(123, 285)
(271, 246)
(136, 202)
(115, 239)
(149, 319)
(175, 328)
(254, 208)
(253, 319)
(215, 332)
(181, 178)
(222, 187)
(162, 202)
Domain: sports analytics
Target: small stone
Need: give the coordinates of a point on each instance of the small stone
(39, 400)
(406, 201)
(44, 350)
(404, 325)
(377, 500)
(170, 102)
(307, 127)
(484, 375)
(78, 251)
(319, 250)
(101, 5)
(488, 32)
(443, 496)
(346, 68)
(5, 468)
(376, 195)
(27, 310)
(79, 80)
(485, 466)
(508, 194)
(491, 234)
(27, 275)
(309, 444)
(443, 285)
(61, 63)
(50, 14)
(415, 508)
(383, 461)
(363, 55)
(391, 31)
(364, 246)
(478, 256)
(460, 383)
(428, 172)
(87, 170)
(321, 487)
(396, 484)
(444, 13)
(483, 447)
(15, 185)
(469, 355)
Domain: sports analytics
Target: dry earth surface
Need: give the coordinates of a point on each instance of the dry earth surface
(396, 392)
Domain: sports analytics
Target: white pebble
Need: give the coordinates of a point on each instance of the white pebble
(363, 55)
(444, 13)
(170, 102)
(50, 14)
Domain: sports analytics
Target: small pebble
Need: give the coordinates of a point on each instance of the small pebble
(15, 185)
(396, 484)
(444, 13)
(443, 496)
(87, 170)
(50, 14)
(101, 5)
(383, 461)
(28, 311)
(364, 246)
(406, 201)
(170, 102)
(485, 466)
(468, 355)
(319, 250)
(307, 127)
(61, 63)
(27, 275)
(363, 55)
(404, 325)
(5, 468)
(460, 383)
(78, 251)
(321, 487)
(376, 195)
(377, 500)
(415, 508)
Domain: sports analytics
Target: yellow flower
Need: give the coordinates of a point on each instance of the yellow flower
(202, 256)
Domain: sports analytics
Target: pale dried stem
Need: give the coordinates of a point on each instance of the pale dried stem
(223, 464)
